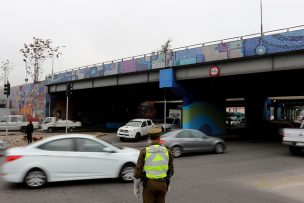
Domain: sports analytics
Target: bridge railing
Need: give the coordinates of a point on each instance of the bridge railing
(274, 41)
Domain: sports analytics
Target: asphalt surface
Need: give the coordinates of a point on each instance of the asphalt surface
(249, 171)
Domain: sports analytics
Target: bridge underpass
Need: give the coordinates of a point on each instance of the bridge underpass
(111, 106)
(254, 89)
(118, 104)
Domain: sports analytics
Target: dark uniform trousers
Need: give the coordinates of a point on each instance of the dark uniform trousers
(155, 191)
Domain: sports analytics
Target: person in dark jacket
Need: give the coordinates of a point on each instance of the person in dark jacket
(29, 132)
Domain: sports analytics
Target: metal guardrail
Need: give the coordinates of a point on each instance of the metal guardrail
(277, 31)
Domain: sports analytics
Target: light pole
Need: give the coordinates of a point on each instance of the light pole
(261, 9)
(55, 50)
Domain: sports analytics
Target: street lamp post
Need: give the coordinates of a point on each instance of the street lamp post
(56, 48)
(261, 9)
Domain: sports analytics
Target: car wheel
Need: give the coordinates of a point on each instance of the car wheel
(71, 129)
(219, 148)
(127, 173)
(176, 151)
(122, 139)
(50, 130)
(295, 150)
(137, 136)
(35, 178)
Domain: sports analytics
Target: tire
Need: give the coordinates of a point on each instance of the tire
(126, 174)
(122, 139)
(219, 148)
(35, 178)
(177, 151)
(295, 150)
(71, 129)
(23, 129)
(50, 130)
(137, 136)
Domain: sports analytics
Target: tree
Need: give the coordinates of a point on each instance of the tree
(35, 54)
(166, 49)
(5, 68)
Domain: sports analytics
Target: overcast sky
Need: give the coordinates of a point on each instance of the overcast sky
(95, 31)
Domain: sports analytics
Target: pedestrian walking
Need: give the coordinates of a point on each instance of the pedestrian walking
(29, 132)
(153, 170)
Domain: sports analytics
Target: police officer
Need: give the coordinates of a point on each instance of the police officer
(153, 169)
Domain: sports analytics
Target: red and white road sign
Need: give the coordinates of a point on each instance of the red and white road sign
(214, 71)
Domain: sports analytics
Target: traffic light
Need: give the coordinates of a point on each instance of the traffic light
(69, 89)
(7, 88)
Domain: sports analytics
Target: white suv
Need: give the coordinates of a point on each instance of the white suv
(135, 129)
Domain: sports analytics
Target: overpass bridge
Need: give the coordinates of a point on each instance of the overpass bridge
(203, 76)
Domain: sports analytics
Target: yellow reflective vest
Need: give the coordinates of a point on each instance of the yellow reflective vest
(156, 162)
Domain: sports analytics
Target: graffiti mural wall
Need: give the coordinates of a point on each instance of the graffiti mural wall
(29, 100)
(203, 116)
(268, 44)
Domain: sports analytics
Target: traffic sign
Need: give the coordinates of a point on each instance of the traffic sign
(214, 71)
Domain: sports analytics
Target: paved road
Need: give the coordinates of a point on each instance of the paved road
(248, 172)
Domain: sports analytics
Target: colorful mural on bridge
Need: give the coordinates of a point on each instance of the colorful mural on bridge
(268, 44)
(203, 116)
(29, 100)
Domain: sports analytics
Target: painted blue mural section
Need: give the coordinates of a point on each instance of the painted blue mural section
(284, 42)
(189, 56)
(204, 116)
(143, 63)
(267, 44)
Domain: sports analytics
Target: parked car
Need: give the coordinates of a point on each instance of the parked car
(50, 124)
(16, 122)
(171, 123)
(68, 157)
(2, 148)
(135, 129)
(188, 140)
(294, 138)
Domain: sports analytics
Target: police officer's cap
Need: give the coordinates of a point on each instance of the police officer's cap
(155, 132)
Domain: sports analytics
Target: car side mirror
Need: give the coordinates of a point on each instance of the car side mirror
(109, 150)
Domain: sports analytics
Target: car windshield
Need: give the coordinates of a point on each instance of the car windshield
(134, 123)
(47, 120)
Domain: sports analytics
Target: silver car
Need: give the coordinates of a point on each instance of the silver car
(188, 140)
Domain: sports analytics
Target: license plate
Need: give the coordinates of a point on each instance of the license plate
(300, 144)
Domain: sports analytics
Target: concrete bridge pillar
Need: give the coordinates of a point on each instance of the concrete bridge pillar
(257, 109)
(204, 114)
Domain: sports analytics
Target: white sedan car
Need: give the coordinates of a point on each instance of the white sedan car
(68, 157)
